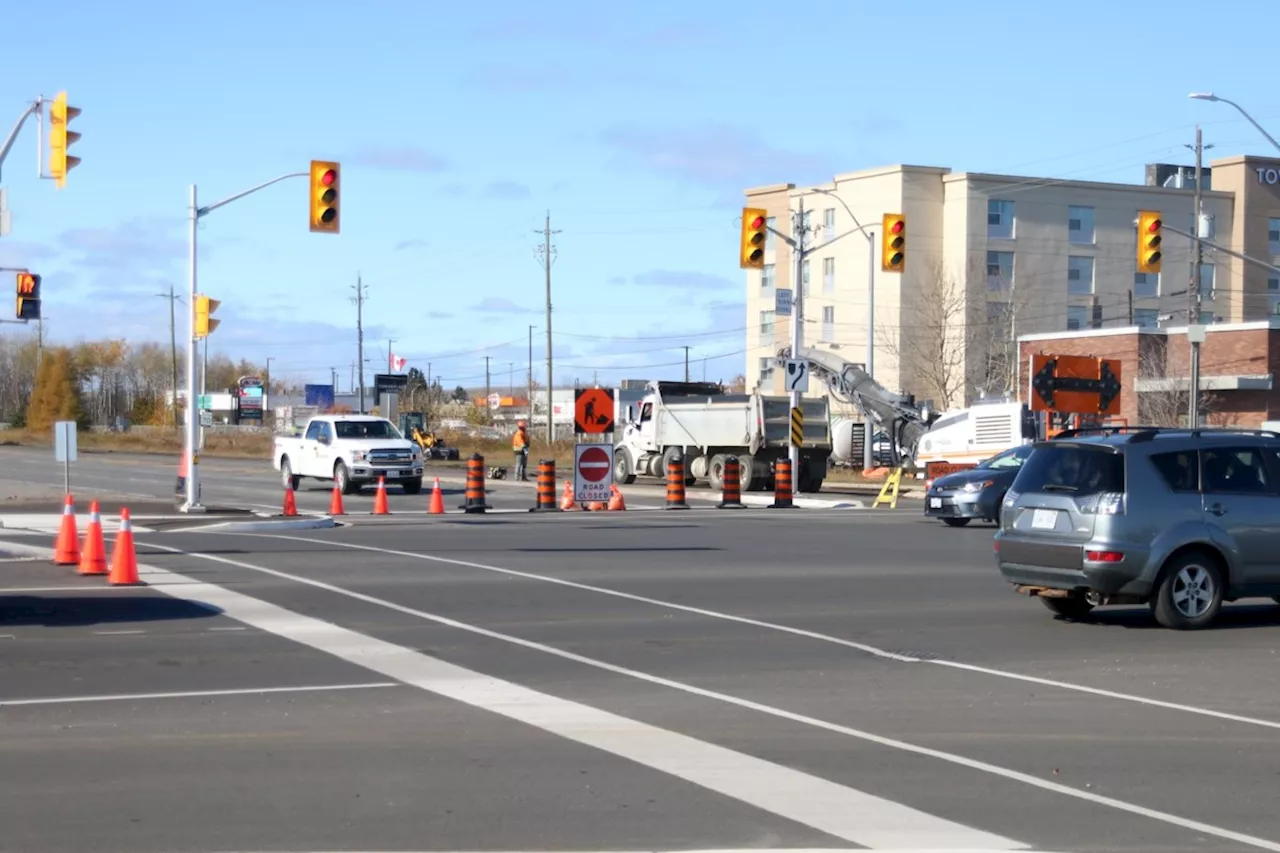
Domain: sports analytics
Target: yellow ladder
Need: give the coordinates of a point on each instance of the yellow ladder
(889, 491)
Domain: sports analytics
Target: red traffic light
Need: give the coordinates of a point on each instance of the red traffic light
(897, 227)
(1154, 226)
(328, 177)
(757, 223)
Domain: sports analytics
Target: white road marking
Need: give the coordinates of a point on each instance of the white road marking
(230, 628)
(358, 656)
(189, 694)
(799, 632)
(821, 804)
(117, 633)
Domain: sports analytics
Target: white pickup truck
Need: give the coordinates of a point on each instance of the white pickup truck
(351, 451)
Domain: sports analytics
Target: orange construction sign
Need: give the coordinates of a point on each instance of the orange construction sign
(592, 411)
(1075, 384)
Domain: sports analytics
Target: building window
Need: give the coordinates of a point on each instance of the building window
(1079, 275)
(828, 275)
(1206, 281)
(828, 225)
(766, 368)
(1077, 315)
(1080, 228)
(766, 328)
(999, 270)
(804, 277)
(1146, 285)
(1146, 318)
(828, 323)
(1000, 219)
(1273, 235)
(769, 239)
(768, 277)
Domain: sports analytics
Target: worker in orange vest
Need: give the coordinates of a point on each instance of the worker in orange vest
(520, 446)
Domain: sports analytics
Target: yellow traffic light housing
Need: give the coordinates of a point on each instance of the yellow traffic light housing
(28, 291)
(326, 190)
(755, 224)
(1149, 239)
(893, 242)
(205, 323)
(60, 139)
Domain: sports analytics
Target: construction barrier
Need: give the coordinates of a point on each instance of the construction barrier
(782, 485)
(731, 493)
(93, 556)
(66, 548)
(436, 506)
(546, 487)
(475, 485)
(335, 501)
(675, 484)
(290, 504)
(380, 498)
(124, 560)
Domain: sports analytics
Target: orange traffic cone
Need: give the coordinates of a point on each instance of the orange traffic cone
(597, 506)
(616, 503)
(93, 557)
(567, 503)
(124, 562)
(380, 499)
(66, 549)
(436, 507)
(335, 502)
(290, 505)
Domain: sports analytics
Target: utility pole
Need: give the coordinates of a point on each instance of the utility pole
(530, 389)
(797, 318)
(511, 378)
(487, 407)
(686, 364)
(173, 346)
(1196, 299)
(333, 380)
(360, 292)
(547, 253)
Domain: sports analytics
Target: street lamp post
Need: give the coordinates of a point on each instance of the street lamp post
(868, 449)
(1209, 96)
(194, 213)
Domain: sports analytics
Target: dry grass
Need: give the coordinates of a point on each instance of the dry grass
(498, 451)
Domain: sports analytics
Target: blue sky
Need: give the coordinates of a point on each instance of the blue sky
(637, 125)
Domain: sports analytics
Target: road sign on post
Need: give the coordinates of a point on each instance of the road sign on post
(592, 472)
(64, 449)
(782, 302)
(797, 377)
(592, 411)
(1074, 384)
(797, 427)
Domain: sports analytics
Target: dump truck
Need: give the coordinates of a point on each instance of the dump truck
(705, 425)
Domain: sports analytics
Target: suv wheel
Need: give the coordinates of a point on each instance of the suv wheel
(1073, 607)
(1190, 592)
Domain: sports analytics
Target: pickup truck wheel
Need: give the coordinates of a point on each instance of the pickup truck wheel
(342, 479)
(412, 486)
(291, 481)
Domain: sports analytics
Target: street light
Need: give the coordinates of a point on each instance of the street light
(1209, 96)
(868, 454)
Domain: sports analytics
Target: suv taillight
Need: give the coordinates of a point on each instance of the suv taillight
(1103, 503)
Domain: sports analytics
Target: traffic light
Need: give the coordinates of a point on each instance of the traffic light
(28, 306)
(1149, 226)
(893, 242)
(755, 221)
(60, 139)
(205, 323)
(325, 191)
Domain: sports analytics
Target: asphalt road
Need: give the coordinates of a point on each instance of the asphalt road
(704, 680)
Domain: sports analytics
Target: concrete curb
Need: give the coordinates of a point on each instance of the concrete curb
(806, 503)
(262, 526)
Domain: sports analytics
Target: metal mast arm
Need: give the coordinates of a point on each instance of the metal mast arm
(17, 128)
(217, 204)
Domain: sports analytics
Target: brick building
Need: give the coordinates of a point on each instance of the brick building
(1238, 363)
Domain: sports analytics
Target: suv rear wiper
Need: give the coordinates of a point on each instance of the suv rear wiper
(1058, 487)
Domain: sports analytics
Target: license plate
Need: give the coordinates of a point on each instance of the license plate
(1044, 519)
(935, 503)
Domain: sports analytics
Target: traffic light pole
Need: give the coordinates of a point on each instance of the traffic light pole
(797, 321)
(191, 441)
(34, 109)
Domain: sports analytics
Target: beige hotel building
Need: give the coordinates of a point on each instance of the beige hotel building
(994, 257)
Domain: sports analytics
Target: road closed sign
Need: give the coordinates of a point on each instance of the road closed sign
(592, 472)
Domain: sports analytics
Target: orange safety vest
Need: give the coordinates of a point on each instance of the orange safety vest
(519, 440)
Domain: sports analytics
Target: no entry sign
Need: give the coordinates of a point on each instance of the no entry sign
(592, 472)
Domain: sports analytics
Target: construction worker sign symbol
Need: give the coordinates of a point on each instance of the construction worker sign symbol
(592, 411)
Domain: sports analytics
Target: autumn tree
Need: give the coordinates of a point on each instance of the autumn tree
(57, 394)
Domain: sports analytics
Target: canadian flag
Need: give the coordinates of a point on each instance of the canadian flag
(398, 363)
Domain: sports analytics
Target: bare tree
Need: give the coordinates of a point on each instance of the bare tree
(1167, 396)
(930, 346)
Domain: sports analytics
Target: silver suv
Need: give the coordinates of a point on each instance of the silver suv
(1179, 519)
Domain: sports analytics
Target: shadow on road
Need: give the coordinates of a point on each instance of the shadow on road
(62, 611)
(1140, 618)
